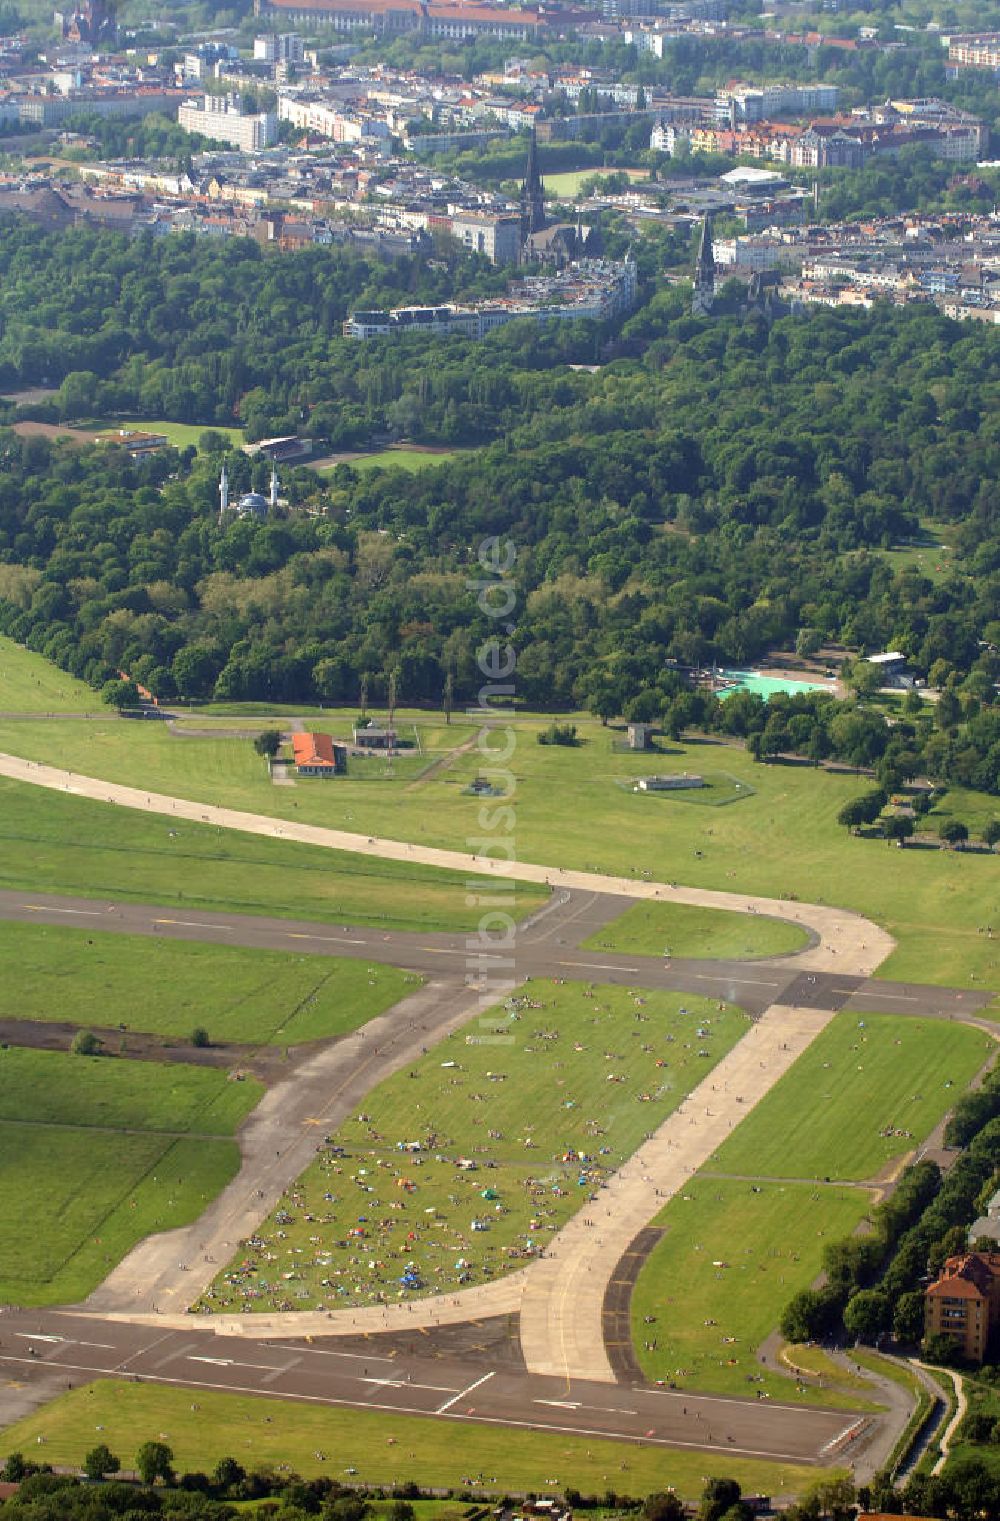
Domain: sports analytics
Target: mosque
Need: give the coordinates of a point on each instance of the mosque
(251, 504)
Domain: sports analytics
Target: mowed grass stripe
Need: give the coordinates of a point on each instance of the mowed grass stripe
(653, 929)
(170, 987)
(869, 1089)
(91, 1162)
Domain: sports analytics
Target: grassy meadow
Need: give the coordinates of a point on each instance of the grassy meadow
(653, 929)
(715, 1285)
(369, 1447)
(53, 843)
(181, 435)
(168, 987)
(545, 1095)
(869, 1089)
(573, 811)
(106, 1152)
(29, 684)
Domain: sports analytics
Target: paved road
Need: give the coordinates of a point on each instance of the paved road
(546, 945)
(71, 1349)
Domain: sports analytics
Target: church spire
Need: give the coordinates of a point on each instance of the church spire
(532, 191)
(274, 485)
(223, 490)
(704, 274)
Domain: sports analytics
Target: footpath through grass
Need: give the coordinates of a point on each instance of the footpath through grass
(574, 811)
(31, 684)
(98, 1154)
(459, 1169)
(869, 1089)
(365, 1447)
(170, 987)
(53, 843)
(679, 929)
(714, 1287)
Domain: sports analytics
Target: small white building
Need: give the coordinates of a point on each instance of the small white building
(675, 783)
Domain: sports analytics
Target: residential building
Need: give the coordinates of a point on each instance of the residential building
(220, 118)
(318, 755)
(432, 18)
(498, 238)
(964, 1302)
(278, 47)
(374, 737)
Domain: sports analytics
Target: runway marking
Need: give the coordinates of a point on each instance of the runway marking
(479, 1420)
(576, 1405)
(45, 908)
(326, 939)
(366, 1357)
(231, 1362)
(895, 997)
(404, 1383)
(461, 1394)
(227, 929)
(600, 966)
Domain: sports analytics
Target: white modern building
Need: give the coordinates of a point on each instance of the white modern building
(220, 118)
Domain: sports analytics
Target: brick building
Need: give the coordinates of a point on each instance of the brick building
(964, 1302)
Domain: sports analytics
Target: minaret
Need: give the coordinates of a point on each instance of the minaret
(223, 491)
(532, 191)
(704, 274)
(274, 485)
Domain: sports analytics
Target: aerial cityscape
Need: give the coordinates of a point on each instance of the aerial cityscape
(499, 760)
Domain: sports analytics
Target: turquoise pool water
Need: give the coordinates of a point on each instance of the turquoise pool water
(766, 686)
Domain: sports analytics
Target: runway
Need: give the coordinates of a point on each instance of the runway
(547, 945)
(55, 1348)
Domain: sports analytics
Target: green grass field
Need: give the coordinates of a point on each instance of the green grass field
(566, 184)
(30, 684)
(51, 843)
(573, 811)
(716, 1284)
(650, 929)
(827, 1115)
(249, 996)
(368, 1447)
(179, 434)
(546, 1094)
(99, 1153)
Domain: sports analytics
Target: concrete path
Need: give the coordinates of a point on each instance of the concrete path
(562, 1311)
(848, 943)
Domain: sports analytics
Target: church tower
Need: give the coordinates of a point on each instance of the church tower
(532, 192)
(274, 485)
(704, 274)
(223, 491)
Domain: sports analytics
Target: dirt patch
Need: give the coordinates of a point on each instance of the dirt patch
(54, 430)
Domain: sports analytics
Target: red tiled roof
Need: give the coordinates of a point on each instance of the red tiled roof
(313, 750)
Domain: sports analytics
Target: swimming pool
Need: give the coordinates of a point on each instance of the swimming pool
(766, 686)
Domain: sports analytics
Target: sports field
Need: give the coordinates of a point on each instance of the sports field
(52, 843)
(868, 1090)
(170, 987)
(97, 1154)
(656, 929)
(29, 684)
(181, 435)
(783, 840)
(733, 1255)
(459, 1169)
(366, 1447)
